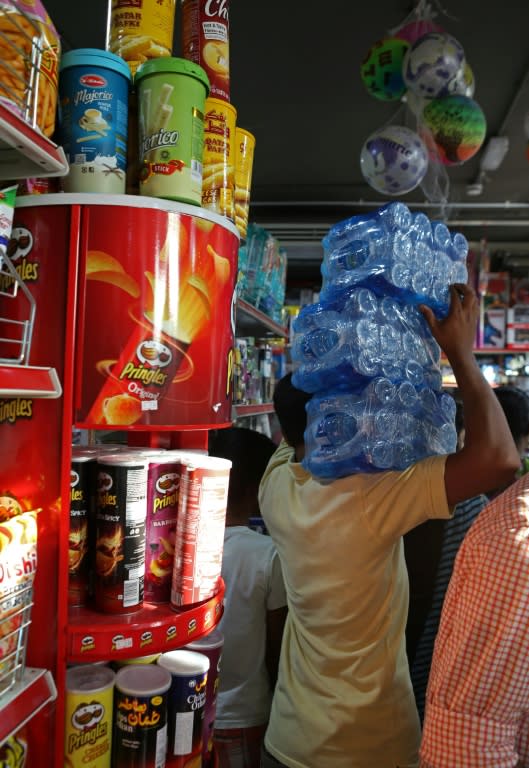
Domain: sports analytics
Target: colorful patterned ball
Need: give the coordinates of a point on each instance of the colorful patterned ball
(415, 29)
(394, 160)
(431, 65)
(458, 127)
(381, 70)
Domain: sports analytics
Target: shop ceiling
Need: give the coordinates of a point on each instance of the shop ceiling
(295, 82)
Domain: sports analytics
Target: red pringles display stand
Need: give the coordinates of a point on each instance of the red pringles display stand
(155, 308)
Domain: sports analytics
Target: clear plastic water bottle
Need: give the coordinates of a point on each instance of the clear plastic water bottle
(441, 235)
(460, 246)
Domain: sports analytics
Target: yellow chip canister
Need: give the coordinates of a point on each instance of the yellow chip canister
(141, 30)
(245, 147)
(88, 723)
(218, 182)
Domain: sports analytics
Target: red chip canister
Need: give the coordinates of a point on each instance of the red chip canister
(205, 40)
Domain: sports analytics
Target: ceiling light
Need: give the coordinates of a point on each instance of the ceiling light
(494, 153)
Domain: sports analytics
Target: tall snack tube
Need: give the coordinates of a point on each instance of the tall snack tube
(140, 31)
(24, 27)
(205, 40)
(218, 172)
(244, 153)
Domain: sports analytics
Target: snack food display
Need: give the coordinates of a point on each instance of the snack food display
(245, 147)
(141, 31)
(27, 32)
(218, 184)
(205, 40)
(18, 565)
(93, 120)
(171, 98)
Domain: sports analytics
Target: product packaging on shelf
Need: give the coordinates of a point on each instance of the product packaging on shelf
(81, 538)
(205, 40)
(171, 96)
(88, 717)
(244, 153)
(140, 715)
(141, 31)
(27, 35)
(200, 530)
(93, 120)
(18, 565)
(218, 185)
(121, 509)
(186, 706)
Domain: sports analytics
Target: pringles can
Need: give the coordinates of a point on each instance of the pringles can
(244, 152)
(171, 99)
(88, 723)
(218, 184)
(200, 529)
(140, 717)
(163, 484)
(185, 706)
(211, 646)
(139, 31)
(121, 508)
(205, 40)
(80, 537)
(93, 120)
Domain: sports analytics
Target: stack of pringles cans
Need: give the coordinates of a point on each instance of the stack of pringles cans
(146, 525)
(133, 118)
(149, 712)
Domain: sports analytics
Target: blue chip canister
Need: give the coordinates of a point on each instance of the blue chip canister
(93, 120)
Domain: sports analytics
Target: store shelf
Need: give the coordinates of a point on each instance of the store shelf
(29, 381)
(252, 410)
(24, 700)
(94, 636)
(25, 152)
(253, 321)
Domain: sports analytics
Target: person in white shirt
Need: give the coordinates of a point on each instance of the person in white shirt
(254, 606)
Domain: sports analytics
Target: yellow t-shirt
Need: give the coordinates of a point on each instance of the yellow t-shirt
(344, 697)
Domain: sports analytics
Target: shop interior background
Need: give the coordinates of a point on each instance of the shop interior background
(296, 85)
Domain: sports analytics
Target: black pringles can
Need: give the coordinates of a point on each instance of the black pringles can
(82, 524)
(121, 510)
(139, 738)
(185, 706)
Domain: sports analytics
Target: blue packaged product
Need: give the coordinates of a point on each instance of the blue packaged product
(93, 120)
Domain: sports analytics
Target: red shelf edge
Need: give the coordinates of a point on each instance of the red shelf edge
(29, 381)
(94, 636)
(30, 152)
(22, 703)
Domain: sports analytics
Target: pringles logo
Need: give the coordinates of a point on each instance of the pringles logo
(18, 249)
(153, 356)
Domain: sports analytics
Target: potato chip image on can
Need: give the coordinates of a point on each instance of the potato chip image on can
(171, 100)
(205, 40)
(139, 31)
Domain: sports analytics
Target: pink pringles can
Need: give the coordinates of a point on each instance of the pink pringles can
(200, 529)
(163, 484)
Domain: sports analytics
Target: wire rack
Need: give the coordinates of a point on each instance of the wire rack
(16, 326)
(15, 618)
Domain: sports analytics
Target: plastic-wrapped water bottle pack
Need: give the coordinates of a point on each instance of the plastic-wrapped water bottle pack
(397, 253)
(365, 351)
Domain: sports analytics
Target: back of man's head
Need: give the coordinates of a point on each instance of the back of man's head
(290, 407)
(249, 452)
(515, 404)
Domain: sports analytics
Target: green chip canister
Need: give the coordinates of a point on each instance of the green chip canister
(171, 100)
